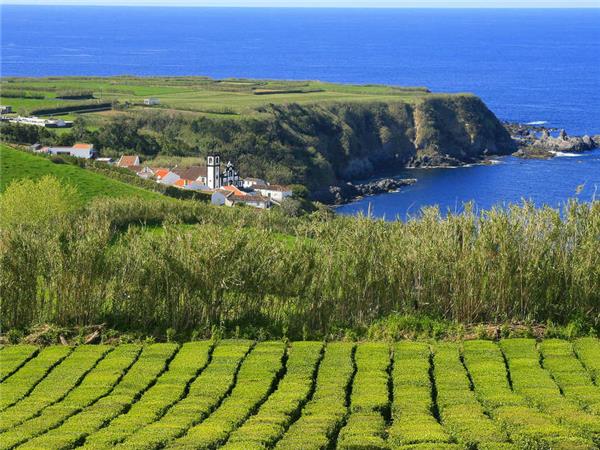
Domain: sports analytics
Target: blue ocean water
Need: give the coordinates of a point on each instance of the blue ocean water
(512, 180)
(528, 65)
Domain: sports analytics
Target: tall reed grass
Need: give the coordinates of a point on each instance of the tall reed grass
(132, 264)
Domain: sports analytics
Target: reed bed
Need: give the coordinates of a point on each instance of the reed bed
(154, 265)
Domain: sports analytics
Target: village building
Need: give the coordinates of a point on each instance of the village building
(257, 201)
(192, 174)
(274, 192)
(6, 109)
(128, 161)
(48, 123)
(105, 160)
(249, 182)
(85, 151)
(151, 101)
(170, 178)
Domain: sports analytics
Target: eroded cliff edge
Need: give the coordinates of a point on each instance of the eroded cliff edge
(348, 141)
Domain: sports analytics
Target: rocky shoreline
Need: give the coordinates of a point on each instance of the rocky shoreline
(537, 141)
(344, 193)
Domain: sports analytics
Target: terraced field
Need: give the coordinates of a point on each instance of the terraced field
(239, 394)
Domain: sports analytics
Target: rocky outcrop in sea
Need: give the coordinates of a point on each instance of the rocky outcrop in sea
(541, 142)
(346, 192)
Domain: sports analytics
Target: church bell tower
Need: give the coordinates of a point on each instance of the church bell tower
(213, 171)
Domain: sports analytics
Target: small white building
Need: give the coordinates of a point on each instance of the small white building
(249, 182)
(151, 101)
(256, 201)
(169, 179)
(48, 123)
(274, 192)
(219, 198)
(85, 151)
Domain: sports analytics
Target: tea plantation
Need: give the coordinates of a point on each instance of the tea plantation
(240, 394)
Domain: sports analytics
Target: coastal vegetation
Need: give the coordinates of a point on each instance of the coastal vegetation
(242, 394)
(138, 263)
(311, 133)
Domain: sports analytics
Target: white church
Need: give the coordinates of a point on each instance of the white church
(215, 179)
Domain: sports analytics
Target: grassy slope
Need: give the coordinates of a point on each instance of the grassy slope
(16, 164)
(200, 95)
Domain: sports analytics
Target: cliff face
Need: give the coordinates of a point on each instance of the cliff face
(352, 140)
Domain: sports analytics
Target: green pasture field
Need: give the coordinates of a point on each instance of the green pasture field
(16, 165)
(229, 97)
(245, 395)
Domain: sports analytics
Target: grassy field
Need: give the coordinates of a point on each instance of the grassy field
(17, 164)
(229, 97)
(241, 394)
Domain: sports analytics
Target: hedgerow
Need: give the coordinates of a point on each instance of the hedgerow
(254, 382)
(13, 357)
(55, 386)
(23, 381)
(205, 394)
(526, 426)
(169, 388)
(535, 384)
(149, 365)
(569, 374)
(412, 407)
(274, 416)
(323, 414)
(99, 382)
(460, 412)
(369, 401)
(588, 351)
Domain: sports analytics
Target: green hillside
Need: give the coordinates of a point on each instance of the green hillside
(17, 164)
(239, 394)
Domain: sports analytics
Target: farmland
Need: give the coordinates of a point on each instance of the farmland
(199, 95)
(243, 394)
(19, 165)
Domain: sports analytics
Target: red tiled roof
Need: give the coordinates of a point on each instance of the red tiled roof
(181, 182)
(235, 190)
(127, 160)
(161, 173)
(81, 146)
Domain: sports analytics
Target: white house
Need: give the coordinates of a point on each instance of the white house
(170, 178)
(249, 182)
(85, 151)
(219, 197)
(151, 101)
(274, 192)
(257, 201)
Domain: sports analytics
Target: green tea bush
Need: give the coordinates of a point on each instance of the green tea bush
(588, 351)
(205, 394)
(526, 426)
(283, 406)
(22, 382)
(169, 388)
(13, 357)
(257, 375)
(535, 384)
(460, 412)
(324, 413)
(369, 401)
(140, 376)
(96, 384)
(413, 421)
(55, 386)
(569, 374)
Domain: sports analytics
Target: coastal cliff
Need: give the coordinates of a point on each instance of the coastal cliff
(350, 141)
